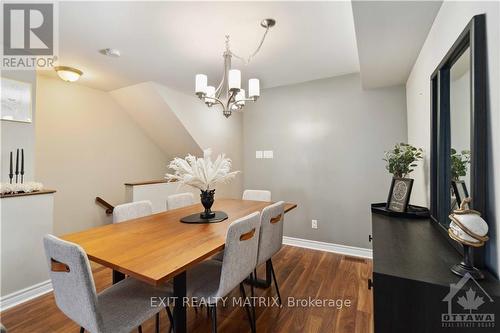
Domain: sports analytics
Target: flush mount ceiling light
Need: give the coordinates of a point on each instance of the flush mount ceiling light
(229, 93)
(68, 74)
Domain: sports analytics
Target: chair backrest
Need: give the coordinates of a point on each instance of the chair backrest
(73, 284)
(271, 231)
(132, 210)
(180, 200)
(240, 252)
(257, 195)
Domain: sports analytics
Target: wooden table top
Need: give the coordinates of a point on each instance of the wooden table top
(155, 248)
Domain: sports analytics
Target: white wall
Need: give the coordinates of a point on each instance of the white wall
(23, 261)
(328, 138)
(460, 121)
(19, 135)
(449, 23)
(87, 146)
(156, 118)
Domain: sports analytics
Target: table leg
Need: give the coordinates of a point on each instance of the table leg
(180, 316)
(117, 276)
(259, 283)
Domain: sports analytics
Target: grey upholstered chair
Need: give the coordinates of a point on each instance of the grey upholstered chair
(120, 308)
(212, 279)
(271, 237)
(180, 200)
(257, 195)
(132, 210)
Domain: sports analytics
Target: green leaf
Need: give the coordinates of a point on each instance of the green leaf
(402, 159)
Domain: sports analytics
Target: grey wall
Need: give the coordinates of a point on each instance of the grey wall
(328, 138)
(19, 135)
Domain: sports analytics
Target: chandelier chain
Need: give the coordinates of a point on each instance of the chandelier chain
(250, 57)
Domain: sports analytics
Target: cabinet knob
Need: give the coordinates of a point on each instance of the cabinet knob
(370, 284)
(370, 238)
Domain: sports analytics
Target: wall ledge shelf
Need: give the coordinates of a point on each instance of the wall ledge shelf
(149, 182)
(15, 195)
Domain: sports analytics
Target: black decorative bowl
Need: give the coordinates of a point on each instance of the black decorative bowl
(197, 218)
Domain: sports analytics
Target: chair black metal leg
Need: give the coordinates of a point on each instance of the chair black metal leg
(213, 311)
(157, 323)
(263, 284)
(275, 282)
(82, 330)
(252, 288)
(247, 308)
(139, 329)
(170, 318)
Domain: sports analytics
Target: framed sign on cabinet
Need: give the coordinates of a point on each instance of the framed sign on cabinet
(16, 101)
(399, 194)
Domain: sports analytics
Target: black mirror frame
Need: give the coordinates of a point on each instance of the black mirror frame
(474, 38)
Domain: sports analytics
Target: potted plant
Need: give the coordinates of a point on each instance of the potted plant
(401, 161)
(203, 174)
(459, 165)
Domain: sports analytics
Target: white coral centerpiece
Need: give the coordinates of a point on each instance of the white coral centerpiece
(27, 187)
(201, 172)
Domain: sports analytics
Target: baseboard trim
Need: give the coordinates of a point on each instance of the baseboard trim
(329, 247)
(25, 295)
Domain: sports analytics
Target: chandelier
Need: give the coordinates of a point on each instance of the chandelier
(229, 94)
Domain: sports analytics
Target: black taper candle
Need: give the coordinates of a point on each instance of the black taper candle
(11, 174)
(17, 163)
(22, 166)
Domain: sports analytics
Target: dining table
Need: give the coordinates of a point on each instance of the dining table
(158, 247)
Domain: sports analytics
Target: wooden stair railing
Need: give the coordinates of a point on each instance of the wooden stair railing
(109, 207)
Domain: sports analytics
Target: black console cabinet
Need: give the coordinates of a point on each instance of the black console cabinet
(411, 282)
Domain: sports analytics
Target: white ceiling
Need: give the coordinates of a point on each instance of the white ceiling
(389, 36)
(169, 42)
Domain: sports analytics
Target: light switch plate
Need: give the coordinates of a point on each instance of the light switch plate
(268, 154)
(258, 154)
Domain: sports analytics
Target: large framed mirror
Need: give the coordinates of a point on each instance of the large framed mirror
(458, 127)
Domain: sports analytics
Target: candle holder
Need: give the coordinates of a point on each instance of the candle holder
(22, 165)
(17, 165)
(11, 172)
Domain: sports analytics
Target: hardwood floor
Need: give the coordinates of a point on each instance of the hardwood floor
(301, 273)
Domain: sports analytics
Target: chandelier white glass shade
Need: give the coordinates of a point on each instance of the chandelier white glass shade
(229, 93)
